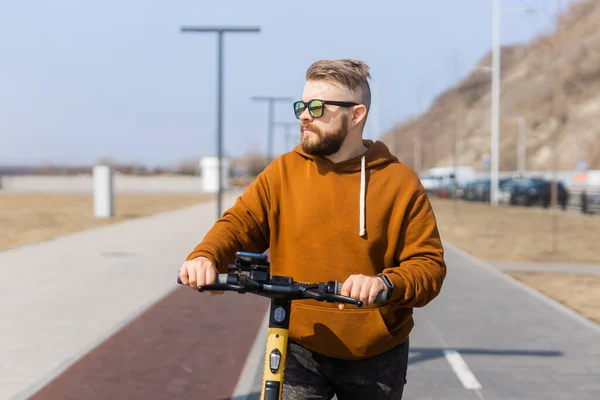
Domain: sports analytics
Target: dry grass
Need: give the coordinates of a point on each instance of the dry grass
(579, 292)
(506, 233)
(29, 218)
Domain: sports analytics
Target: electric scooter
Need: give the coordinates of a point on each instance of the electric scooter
(251, 274)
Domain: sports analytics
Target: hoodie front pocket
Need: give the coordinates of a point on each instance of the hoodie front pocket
(347, 334)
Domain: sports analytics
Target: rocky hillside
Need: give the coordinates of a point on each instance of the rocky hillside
(552, 85)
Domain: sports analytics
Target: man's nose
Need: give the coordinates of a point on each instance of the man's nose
(305, 116)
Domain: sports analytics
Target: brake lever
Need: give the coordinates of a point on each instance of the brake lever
(335, 287)
(218, 286)
(222, 286)
(343, 299)
(331, 298)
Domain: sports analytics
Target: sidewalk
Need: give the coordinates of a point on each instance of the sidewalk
(61, 298)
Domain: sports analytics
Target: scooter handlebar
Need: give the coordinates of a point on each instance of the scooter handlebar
(230, 282)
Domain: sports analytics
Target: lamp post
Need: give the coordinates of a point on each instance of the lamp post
(220, 30)
(495, 103)
(271, 100)
(286, 134)
(522, 146)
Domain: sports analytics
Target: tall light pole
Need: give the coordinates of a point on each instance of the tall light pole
(522, 146)
(457, 137)
(495, 103)
(271, 100)
(286, 134)
(495, 112)
(220, 30)
(416, 142)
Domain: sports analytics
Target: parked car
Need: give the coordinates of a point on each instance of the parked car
(468, 192)
(444, 192)
(505, 188)
(537, 191)
(479, 190)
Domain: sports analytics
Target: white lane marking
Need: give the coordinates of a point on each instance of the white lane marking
(457, 363)
(461, 369)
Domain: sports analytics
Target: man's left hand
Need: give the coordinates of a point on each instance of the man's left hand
(363, 288)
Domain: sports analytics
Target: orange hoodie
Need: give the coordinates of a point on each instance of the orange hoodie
(326, 221)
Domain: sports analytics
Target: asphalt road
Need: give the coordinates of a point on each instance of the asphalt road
(488, 336)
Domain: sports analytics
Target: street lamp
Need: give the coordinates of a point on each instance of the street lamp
(495, 103)
(220, 30)
(521, 146)
(271, 100)
(286, 134)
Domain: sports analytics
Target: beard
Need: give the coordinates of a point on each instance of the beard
(325, 143)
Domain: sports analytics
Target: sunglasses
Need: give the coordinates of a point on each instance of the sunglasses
(317, 107)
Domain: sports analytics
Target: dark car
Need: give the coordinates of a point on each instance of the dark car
(468, 192)
(479, 190)
(537, 191)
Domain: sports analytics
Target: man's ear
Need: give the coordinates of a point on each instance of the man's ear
(359, 114)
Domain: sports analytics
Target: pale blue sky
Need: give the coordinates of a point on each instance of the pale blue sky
(80, 80)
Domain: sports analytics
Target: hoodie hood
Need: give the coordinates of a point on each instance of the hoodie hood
(377, 155)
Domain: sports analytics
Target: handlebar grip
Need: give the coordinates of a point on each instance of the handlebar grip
(380, 299)
(221, 278)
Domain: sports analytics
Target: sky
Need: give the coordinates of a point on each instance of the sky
(85, 80)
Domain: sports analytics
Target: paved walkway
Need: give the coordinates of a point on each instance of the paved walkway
(61, 299)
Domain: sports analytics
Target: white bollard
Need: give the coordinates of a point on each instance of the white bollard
(210, 174)
(104, 206)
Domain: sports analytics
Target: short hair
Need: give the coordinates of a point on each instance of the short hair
(352, 74)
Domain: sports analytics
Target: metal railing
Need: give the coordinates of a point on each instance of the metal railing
(593, 200)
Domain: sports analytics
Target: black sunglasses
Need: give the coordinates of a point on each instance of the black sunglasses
(317, 107)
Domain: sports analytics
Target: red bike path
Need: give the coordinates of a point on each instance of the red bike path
(186, 346)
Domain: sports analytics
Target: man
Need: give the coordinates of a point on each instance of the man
(337, 208)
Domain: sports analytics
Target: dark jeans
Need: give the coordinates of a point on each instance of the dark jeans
(309, 375)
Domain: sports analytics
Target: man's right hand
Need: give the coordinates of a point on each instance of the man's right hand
(198, 272)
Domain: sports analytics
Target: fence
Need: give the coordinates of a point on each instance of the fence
(593, 200)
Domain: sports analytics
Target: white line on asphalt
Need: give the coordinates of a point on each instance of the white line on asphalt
(461, 369)
(458, 364)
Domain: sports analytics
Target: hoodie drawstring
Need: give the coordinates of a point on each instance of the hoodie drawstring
(362, 231)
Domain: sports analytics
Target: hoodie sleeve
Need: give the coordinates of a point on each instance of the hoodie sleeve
(419, 277)
(243, 227)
